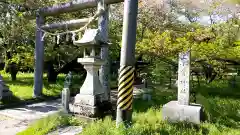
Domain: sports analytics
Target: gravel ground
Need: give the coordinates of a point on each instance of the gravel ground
(10, 126)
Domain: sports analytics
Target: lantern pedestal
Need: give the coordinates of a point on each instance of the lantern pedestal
(91, 93)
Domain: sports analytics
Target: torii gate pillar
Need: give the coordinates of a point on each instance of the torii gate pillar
(39, 58)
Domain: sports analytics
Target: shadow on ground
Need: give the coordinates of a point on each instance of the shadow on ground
(43, 108)
(9, 100)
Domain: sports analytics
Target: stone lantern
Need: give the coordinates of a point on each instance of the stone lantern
(92, 92)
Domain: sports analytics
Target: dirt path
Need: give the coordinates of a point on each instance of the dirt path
(17, 119)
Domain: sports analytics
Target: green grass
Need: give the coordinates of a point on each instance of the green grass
(223, 115)
(151, 123)
(22, 88)
(49, 123)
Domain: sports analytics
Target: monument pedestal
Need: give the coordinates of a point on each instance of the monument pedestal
(174, 112)
(84, 110)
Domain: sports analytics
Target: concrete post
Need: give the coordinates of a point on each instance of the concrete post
(65, 99)
(39, 58)
(127, 62)
(104, 70)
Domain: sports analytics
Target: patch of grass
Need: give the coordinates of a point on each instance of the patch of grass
(151, 123)
(50, 123)
(221, 103)
(223, 115)
(22, 88)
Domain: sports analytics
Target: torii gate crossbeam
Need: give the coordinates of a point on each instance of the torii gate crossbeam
(68, 7)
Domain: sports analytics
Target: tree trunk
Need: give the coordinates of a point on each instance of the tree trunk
(198, 79)
(51, 73)
(13, 71)
(213, 76)
(14, 76)
(170, 82)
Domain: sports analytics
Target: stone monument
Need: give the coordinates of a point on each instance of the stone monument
(182, 110)
(66, 92)
(146, 91)
(92, 93)
(4, 90)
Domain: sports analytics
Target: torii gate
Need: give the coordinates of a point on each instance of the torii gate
(126, 76)
(66, 8)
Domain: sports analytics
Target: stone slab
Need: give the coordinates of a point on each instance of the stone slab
(85, 99)
(71, 130)
(174, 112)
(33, 111)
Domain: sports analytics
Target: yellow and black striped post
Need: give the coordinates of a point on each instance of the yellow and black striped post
(125, 88)
(127, 63)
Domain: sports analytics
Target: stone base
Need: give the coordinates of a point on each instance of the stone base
(174, 112)
(85, 110)
(86, 99)
(100, 110)
(90, 106)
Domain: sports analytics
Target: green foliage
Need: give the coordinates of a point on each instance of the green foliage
(160, 72)
(115, 38)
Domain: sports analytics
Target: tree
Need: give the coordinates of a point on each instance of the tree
(18, 38)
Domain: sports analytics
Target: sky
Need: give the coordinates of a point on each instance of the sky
(226, 7)
(223, 6)
(204, 19)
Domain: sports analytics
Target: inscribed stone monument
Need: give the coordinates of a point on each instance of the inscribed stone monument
(183, 78)
(4, 90)
(182, 110)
